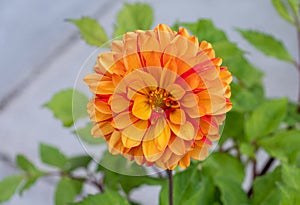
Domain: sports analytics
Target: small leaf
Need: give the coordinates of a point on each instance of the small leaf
(107, 198)
(61, 106)
(284, 146)
(266, 44)
(233, 120)
(52, 156)
(130, 18)
(78, 162)
(24, 164)
(292, 117)
(91, 31)
(282, 10)
(265, 118)
(8, 187)
(66, 191)
(85, 135)
(204, 29)
(32, 173)
(265, 191)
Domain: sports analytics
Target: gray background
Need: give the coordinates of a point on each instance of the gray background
(41, 54)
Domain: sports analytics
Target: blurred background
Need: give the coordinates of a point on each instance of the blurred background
(41, 53)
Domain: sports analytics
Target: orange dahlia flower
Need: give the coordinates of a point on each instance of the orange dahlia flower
(159, 97)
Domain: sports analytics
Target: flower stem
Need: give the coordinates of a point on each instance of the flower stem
(170, 177)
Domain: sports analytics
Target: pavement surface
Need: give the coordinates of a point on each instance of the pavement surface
(41, 54)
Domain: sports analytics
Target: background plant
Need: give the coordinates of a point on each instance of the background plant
(255, 124)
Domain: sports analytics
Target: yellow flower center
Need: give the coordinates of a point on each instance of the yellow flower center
(160, 99)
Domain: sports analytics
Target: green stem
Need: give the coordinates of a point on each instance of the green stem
(170, 179)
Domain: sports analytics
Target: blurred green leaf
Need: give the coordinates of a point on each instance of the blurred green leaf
(137, 16)
(32, 173)
(26, 165)
(265, 190)
(204, 29)
(284, 146)
(244, 71)
(265, 118)
(9, 186)
(227, 51)
(220, 164)
(85, 135)
(52, 156)
(282, 10)
(61, 106)
(233, 120)
(290, 186)
(91, 31)
(189, 188)
(231, 192)
(247, 149)
(294, 4)
(109, 197)
(266, 44)
(76, 162)
(292, 117)
(66, 191)
(244, 100)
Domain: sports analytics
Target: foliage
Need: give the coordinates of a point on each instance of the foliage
(256, 123)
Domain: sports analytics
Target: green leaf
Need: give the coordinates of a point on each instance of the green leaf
(231, 192)
(247, 149)
(265, 118)
(282, 10)
(290, 186)
(137, 16)
(265, 191)
(234, 126)
(9, 186)
(284, 146)
(294, 4)
(91, 31)
(244, 100)
(227, 51)
(85, 135)
(32, 173)
(189, 188)
(52, 156)
(66, 191)
(292, 117)
(107, 198)
(220, 164)
(61, 106)
(266, 44)
(249, 75)
(24, 164)
(204, 29)
(76, 162)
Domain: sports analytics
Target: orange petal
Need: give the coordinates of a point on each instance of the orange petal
(185, 131)
(151, 152)
(141, 108)
(123, 120)
(177, 146)
(189, 100)
(137, 130)
(119, 103)
(129, 142)
(162, 140)
(176, 91)
(185, 161)
(177, 116)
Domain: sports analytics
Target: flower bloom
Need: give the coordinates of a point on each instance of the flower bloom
(159, 97)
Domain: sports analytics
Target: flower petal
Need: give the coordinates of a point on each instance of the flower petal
(141, 108)
(177, 116)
